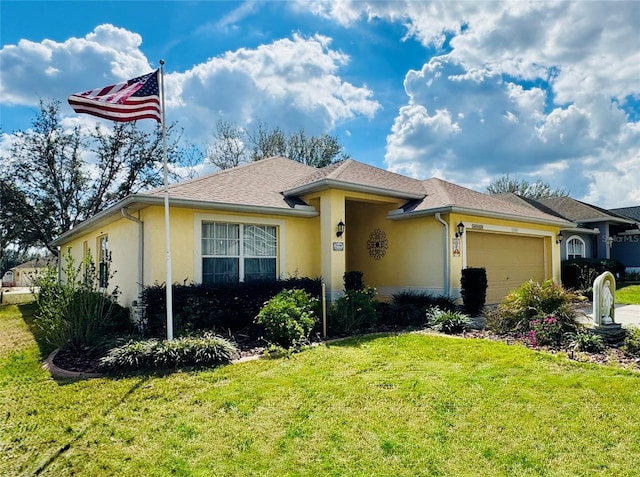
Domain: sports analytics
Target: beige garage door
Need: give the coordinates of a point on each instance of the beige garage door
(510, 260)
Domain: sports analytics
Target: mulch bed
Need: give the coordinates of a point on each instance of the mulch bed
(248, 345)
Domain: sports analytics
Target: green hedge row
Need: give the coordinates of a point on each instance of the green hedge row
(225, 307)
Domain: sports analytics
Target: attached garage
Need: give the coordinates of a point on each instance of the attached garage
(510, 260)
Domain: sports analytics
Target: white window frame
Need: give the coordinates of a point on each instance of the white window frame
(103, 261)
(240, 220)
(579, 239)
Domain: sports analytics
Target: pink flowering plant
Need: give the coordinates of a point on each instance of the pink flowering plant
(545, 331)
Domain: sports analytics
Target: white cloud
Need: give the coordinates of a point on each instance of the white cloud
(529, 88)
(292, 83)
(50, 69)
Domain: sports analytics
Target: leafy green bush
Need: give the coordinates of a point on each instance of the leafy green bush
(205, 350)
(354, 311)
(473, 290)
(579, 273)
(545, 331)
(534, 301)
(76, 314)
(288, 318)
(409, 307)
(587, 342)
(449, 322)
(631, 344)
(353, 281)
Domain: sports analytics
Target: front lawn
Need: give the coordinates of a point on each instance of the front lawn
(629, 295)
(409, 404)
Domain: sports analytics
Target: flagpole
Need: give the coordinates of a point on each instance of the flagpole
(167, 229)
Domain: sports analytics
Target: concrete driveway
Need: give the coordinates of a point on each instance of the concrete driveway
(626, 315)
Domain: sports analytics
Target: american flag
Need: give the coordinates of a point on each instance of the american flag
(138, 98)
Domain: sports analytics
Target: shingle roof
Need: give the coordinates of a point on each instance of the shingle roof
(352, 174)
(49, 261)
(576, 211)
(256, 184)
(441, 193)
(631, 212)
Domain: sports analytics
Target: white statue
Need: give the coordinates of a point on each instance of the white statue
(604, 288)
(607, 303)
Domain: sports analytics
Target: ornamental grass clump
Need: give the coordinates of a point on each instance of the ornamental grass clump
(532, 302)
(206, 350)
(77, 313)
(288, 318)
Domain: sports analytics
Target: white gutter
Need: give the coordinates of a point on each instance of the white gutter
(445, 254)
(324, 184)
(126, 215)
(398, 214)
(140, 201)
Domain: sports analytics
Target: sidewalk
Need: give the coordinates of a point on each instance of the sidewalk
(626, 315)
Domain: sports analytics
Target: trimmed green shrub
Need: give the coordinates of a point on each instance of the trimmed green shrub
(354, 311)
(579, 273)
(449, 322)
(534, 301)
(224, 307)
(631, 344)
(473, 290)
(409, 307)
(205, 350)
(353, 281)
(288, 318)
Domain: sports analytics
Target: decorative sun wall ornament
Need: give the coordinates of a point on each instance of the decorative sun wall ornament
(377, 244)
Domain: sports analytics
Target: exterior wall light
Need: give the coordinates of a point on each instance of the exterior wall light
(460, 229)
(341, 227)
(559, 237)
(610, 241)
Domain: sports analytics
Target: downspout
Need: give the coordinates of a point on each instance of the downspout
(126, 215)
(445, 253)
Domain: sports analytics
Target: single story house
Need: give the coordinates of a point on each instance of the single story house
(23, 275)
(277, 217)
(597, 232)
(627, 243)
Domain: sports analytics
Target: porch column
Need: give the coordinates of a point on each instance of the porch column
(332, 248)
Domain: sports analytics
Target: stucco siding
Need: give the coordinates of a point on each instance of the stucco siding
(123, 240)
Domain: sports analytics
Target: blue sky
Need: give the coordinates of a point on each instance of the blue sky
(465, 91)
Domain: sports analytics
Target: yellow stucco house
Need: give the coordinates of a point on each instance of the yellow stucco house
(277, 218)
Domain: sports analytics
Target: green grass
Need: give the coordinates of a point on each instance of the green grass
(629, 295)
(406, 405)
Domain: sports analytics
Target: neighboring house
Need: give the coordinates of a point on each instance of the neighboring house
(24, 274)
(598, 233)
(278, 218)
(627, 243)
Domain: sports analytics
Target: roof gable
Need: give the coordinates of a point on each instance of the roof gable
(354, 175)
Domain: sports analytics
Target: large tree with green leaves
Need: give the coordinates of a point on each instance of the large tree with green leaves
(55, 177)
(523, 188)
